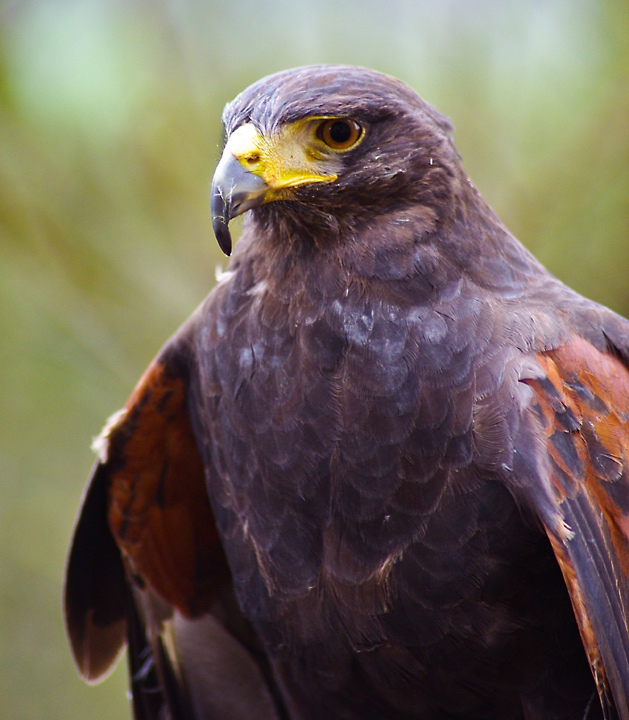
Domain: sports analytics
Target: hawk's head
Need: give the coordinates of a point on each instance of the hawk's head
(329, 147)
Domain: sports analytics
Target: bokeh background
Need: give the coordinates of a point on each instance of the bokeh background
(109, 131)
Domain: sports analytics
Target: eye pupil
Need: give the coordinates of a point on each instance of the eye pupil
(340, 132)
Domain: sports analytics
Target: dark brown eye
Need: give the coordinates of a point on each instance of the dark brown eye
(339, 133)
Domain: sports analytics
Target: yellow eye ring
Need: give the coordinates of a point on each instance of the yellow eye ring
(339, 133)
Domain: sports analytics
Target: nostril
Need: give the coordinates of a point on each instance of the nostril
(253, 159)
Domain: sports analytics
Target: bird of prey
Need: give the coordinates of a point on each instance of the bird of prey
(383, 470)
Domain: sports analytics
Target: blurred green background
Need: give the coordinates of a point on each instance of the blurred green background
(109, 131)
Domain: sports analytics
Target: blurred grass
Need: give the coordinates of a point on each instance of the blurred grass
(109, 131)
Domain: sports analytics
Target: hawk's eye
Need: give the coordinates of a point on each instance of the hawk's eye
(339, 133)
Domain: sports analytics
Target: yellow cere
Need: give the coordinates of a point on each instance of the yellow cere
(293, 156)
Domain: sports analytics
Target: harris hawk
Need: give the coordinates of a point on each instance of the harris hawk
(382, 471)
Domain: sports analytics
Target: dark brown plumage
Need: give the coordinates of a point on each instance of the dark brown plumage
(382, 471)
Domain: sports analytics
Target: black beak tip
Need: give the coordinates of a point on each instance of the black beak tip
(220, 220)
(223, 237)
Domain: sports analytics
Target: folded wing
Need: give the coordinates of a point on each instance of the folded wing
(147, 568)
(582, 402)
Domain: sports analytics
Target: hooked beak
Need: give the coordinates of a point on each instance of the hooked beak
(234, 191)
(256, 169)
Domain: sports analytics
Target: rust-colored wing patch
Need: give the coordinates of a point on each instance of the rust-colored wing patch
(145, 519)
(583, 404)
(158, 508)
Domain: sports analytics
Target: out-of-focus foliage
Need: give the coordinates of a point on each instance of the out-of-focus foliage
(109, 130)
